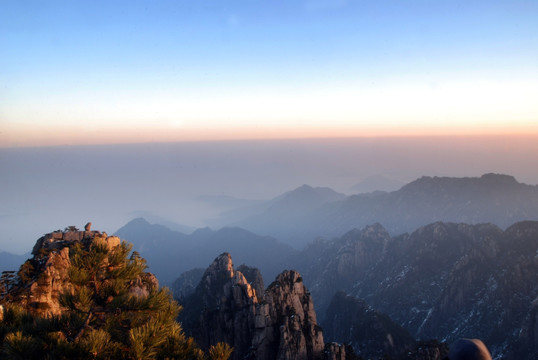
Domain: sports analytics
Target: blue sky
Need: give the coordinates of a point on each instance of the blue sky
(177, 70)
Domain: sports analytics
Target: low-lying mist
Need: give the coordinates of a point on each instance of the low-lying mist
(187, 185)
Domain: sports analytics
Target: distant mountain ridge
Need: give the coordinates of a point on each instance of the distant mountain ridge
(170, 253)
(286, 207)
(300, 216)
(11, 262)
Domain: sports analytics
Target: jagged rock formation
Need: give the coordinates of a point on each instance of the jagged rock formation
(278, 324)
(444, 281)
(223, 308)
(288, 315)
(254, 278)
(44, 277)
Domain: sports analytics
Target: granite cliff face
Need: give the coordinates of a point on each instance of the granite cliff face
(43, 278)
(288, 314)
(277, 324)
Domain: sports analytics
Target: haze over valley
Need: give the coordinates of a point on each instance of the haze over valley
(193, 184)
(268, 180)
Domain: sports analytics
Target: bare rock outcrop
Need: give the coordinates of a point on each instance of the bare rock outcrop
(44, 277)
(222, 308)
(288, 316)
(278, 324)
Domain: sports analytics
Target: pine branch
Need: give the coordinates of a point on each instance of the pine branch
(83, 328)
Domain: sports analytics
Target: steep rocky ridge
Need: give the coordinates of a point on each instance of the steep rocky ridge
(443, 281)
(277, 324)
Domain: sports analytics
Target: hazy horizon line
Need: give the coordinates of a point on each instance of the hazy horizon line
(276, 139)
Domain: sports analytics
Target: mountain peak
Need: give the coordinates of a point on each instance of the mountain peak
(426, 183)
(225, 308)
(304, 188)
(205, 231)
(222, 264)
(312, 194)
(499, 178)
(48, 273)
(139, 221)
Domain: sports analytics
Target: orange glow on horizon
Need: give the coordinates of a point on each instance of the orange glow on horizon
(31, 136)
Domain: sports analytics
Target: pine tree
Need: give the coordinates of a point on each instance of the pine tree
(220, 351)
(114, 310)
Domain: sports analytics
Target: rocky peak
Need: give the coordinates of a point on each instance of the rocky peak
(278, 324)
(222, 308)
(61, 239)
(222, 264)
(254, 278)
(500, 179)
(44, 277)
(289, 316)
(221, 283)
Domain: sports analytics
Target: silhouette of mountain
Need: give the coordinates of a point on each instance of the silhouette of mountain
(304, 214)
(156, 219)
(262, 216)
(377, 183)
(11, 262)
(170, 253)
(284, 217)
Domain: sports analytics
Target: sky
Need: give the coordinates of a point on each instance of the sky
(113, 109)
(105, 72)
